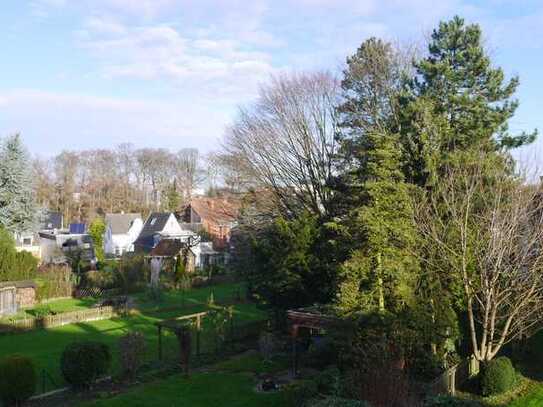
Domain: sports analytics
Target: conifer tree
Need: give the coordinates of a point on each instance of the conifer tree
(18, 209)
(379, 274)
(459, 100)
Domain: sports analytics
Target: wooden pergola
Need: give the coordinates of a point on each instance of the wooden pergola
(313, 318)
(182, 327)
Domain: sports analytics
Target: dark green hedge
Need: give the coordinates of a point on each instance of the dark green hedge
(17, 379)
(84, 362)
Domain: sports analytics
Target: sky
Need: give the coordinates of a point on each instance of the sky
(80, 74)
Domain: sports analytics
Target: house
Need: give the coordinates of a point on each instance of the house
(216, 216)
(16, 295)
(173, 248)
(159, 226)
(57, 244)
(30, 240)
(122, 230)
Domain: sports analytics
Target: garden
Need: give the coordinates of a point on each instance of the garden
(44, 347)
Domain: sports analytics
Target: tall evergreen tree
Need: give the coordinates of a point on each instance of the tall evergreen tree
(458, 98)
(379, 273)
(18, 209)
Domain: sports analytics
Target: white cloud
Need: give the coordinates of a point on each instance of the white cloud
(161, 53)
(45, 119)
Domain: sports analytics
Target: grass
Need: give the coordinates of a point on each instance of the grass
(45, 346)
(56, 306)
(233, 383)
(198, 390)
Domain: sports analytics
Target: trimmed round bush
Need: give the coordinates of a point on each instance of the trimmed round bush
(17, 379)
(84, 362)
(497, 376)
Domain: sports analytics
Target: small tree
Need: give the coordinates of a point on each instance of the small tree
(97, 229)
(132, 352)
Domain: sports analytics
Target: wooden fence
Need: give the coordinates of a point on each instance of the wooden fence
(65, 318)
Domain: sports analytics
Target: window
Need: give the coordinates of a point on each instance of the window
(153, 221)
(27, 241)
(117, 251)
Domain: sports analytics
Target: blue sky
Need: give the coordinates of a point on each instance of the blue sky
(171, 73)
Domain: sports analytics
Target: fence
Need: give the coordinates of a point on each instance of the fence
(449, 380)
(65, 318)
(205, 341)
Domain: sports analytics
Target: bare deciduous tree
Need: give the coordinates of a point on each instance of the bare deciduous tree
(487, 232)
(286, 140)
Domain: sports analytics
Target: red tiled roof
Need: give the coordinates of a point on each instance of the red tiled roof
(216, 210)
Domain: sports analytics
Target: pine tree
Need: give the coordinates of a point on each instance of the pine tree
(459, 101)
(18, 209)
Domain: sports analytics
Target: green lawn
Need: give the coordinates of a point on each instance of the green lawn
(46, 346)
(199, 390)
(232, 382)
(56, 306)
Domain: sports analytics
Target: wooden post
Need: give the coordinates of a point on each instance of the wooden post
(159, 343)
(198, 328)
(294, 333)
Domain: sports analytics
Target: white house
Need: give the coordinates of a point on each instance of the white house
(122, 230)
(159, 226)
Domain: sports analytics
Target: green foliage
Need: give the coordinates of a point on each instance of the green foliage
(132, 351)
(15, 265)
(154, 294)
(338, 402)
(381, 272)
(18, 209)
(299, 394)
(82, 363)
(218, 319)
(329, 380)
(42, 311)
(449, 401)
(97, 229)
(459, 78)
(288, 269)
(497, 376)
(173, 198)
(53, 282)
(322, 354)
(18, 379)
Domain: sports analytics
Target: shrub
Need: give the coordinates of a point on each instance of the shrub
(449, 401)
(132, 350)
(17, 379)
(338, 402)
(497, 376)
(321, 353)
(299, 394)
(54, 281)
(41, 311)
(328, 380)
(154, 294)
(84, 362)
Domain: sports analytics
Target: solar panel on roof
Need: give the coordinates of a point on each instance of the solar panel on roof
(77, 228)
